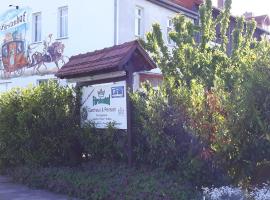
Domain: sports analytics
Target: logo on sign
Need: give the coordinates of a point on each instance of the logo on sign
(101, 93)
(101, 98)
(118, 92)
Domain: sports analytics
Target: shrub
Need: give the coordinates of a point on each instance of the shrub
(107, 181)
(103, 144)
(249, 124)
(163, 139)
(38, 126)
(221, 99)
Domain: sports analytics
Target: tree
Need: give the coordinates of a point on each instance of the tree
(224, 96)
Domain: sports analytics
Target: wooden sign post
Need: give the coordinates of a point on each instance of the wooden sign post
(106, 79)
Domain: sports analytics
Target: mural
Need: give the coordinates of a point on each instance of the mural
(20, 58)
(52, 52)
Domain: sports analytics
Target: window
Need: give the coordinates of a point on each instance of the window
(4, 86)
(265, 26)
(138, 22)
(169, 29)
(37, 27)
(63, 22)
(46, 81)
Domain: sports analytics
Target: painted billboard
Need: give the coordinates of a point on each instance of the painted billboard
(13, 30)
(18, 56)
(105, 103)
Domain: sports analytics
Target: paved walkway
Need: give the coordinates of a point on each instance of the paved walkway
(11, 191)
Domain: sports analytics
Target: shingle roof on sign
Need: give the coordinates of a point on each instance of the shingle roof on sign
(108, 59)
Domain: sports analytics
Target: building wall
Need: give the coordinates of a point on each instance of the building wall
(258, 34)
(152, 13)
(90, 27)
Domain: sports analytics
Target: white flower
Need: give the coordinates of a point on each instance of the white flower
(225, 192)
(236, 193)
(261, 193)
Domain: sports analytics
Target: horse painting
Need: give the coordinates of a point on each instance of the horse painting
(15, 58)
(52, 53)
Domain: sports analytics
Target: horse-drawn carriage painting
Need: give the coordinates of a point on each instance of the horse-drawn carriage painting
(13, 58)
(18, 57)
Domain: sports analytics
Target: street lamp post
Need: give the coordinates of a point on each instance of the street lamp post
(17, 7)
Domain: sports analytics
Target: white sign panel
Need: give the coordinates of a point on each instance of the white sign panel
(105, 103)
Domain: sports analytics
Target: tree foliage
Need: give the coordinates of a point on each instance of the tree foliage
(223, 94)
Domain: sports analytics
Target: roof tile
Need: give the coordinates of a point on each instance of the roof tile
(112, 58)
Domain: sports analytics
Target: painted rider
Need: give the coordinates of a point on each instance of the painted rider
(46, 44)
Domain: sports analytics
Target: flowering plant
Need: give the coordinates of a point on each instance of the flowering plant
(236, 193)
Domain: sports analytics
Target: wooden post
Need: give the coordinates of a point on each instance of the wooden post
(129, 88)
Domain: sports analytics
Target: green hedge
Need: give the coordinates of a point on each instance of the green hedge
(38, 126)
(103, 144)
(108, 181)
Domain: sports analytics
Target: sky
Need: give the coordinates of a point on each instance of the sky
(258, 7)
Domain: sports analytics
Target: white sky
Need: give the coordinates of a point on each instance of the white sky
(258, 7)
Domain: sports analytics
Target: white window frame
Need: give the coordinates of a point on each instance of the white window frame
(62, 21)
(139, 27)
(169, 29)
(46, 81)
(6, 85)
(265, 26)
(36, 27)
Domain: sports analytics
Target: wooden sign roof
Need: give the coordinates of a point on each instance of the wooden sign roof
(107, 60)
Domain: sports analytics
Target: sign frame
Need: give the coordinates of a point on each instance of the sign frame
(104, 104)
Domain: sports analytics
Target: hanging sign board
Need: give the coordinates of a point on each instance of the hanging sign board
(105, 103)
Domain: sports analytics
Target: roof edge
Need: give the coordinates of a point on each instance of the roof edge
(175, 7)
(235, 17)
(136, 45)
(142, 51)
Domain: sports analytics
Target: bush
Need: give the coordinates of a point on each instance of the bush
(38, 127)
(219, 99)
(103, 144)
(249, 124)
(107, 181)
(163, 139)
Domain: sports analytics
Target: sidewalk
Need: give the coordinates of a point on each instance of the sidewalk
(11, 191)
